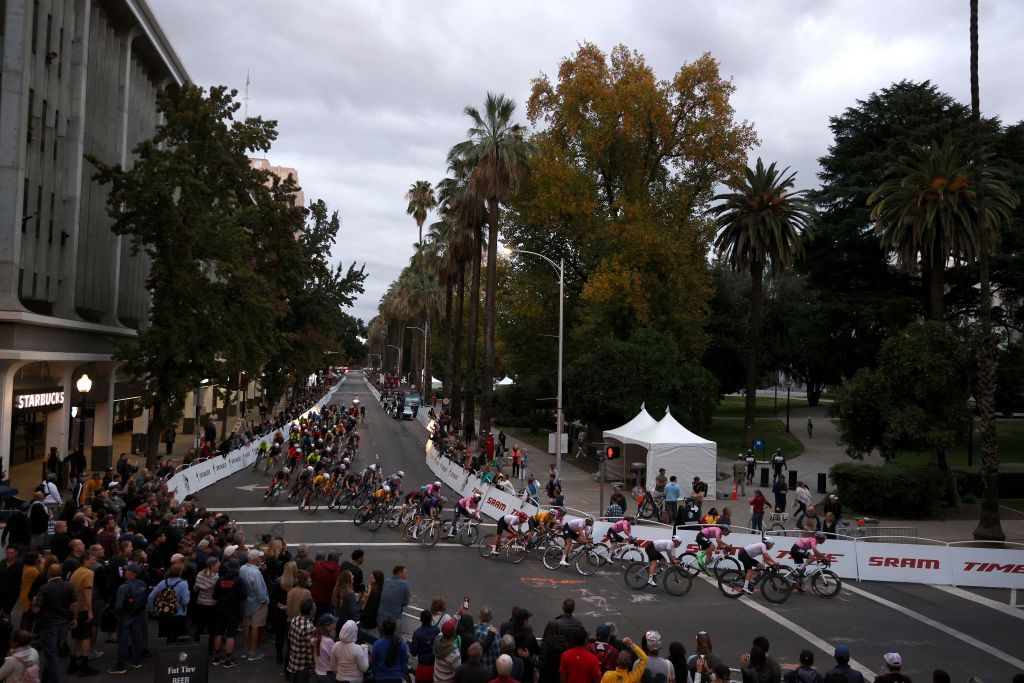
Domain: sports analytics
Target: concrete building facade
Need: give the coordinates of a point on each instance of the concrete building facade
(77, 78)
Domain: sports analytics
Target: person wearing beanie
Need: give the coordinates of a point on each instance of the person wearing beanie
(805, 673)
(447, 657)
(842, 670)
(892, 674)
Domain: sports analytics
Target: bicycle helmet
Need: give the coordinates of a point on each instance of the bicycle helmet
(477, 496)
(589, 519)
(386, 488)
(769, 541)
(400, 474)
(437, 484)
(676, 539)
(346, 461)
(819, 536)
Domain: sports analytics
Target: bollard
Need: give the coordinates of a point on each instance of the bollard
(764, 477)
(792, 480)
(822, 482)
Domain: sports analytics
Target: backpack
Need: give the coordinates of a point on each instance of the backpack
(135, 598)
(166, 603)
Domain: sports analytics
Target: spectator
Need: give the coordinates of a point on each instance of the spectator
(625, 671)
(508, 649)
(130, 606)
(832, 505)
(256, 606)
(472, 670)
(464, 634)
(754, 666)
(659, 669)
(422, 647)
(739, 476)
(394, 597)
(893, 664)
(229, 593)
(552, 646)
(355, 566)
(522, 634)
(842, 672)
(579, 664)
(205, 606)
(370, 602)
(762, 642)
(324, 575)
(606, 653)
(323, 646)
(297, 594)
(277, 618)
(52, 606)
(11, 570)
(677, 656)
(805, 673)
(344, 602)
(569, 626)
(780, 488)
(168, 602)
(698, 487)
(82, 616)
(672, 499)
(22, 664)
(757, 505)
(809, 521)
(349, 661)
(22, 616)
(803, 498)
(447, 657)
(703, 651)
(389, 652)
(38, 521)
(829, 525)
(300, 645)
(487, 636)
(60, 541)
(619, 498)
(504, 667)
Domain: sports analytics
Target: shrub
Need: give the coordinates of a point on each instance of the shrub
(1011, 484)
(896, 492)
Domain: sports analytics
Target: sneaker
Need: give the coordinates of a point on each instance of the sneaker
(95, 654)
(217, 660)
(118, 670)
(494, 551)
(651, 581)
(229, 662)
(256, 656)
(748, 588)
(563, 563)
(135, 666)
(88, 670)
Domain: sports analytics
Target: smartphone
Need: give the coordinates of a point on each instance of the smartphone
(465, 603)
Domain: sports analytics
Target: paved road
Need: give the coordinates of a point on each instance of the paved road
(963, 632)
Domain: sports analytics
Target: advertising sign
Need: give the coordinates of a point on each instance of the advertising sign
(182, 663)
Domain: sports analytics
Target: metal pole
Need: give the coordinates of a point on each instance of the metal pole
(424, 387)
(787, 408)
(561, 321)
(775, 410)
(604, 469)
(970, 444)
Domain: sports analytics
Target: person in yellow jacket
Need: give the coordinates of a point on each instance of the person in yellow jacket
(622, 672)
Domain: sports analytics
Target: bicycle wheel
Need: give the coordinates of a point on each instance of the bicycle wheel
(275, 495)
(375, 520)
(725, 564)
(677, 582)
(314, 502)
(776, 588)
(646, 510)
(688, 564)
(470, 534)
(395, 518)
(826, 584)
(730, 582)
(359, 519)
(407, 531)
(486, 545)
(636, 575)
(588, 562)
(630, 555)
(552, 558)
(515, 552)
(431, 535)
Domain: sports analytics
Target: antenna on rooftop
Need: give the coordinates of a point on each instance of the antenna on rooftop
(245, 99)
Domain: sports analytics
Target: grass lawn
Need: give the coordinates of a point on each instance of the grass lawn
(733, 406)
(1011, 448)
(728, 434)
(1013, 504)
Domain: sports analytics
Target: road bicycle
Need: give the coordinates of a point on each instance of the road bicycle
(583, 557)
(541, 541)
(649, 506)
(824, 582)
(624, 553)
(427, 532)
(400, 518)
(674, 580)
(715, 565)
(343, 501)
(466, 530)
(275, 494)
(513, 546)
(373, 518)
(773, 584)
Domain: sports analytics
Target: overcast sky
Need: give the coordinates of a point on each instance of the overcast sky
(369, 95)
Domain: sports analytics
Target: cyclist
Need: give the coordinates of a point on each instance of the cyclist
(412, 500)
(318, 482)
(660, 550)
(304, 478)
(572, 530)
(469, 506)
(748, 558)
(620, 532)
(278, 480)
(807, 546)
(542, 520)
(313, 458)
(370, 474)
(511, 523)
(432, 506)
(381, 496)
(261, 452)
(708, 536)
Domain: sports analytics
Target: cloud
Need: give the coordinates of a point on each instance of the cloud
(369, 95)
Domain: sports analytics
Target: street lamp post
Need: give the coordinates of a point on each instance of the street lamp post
(399, 369)
(423, 371)
(789, 385)
(560, 417)
(972, 403)
(84, 386)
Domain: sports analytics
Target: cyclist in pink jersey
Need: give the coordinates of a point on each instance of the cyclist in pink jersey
(805, 547)
(620, 532)
(711, 535)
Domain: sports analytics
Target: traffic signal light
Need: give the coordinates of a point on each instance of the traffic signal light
(612, 452)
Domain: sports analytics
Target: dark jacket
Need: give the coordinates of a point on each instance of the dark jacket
(804, 674)
(422, 644)
(842, 673)
(571, 628)
(892, 677)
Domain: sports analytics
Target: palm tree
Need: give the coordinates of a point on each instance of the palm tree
(498, 153)
(926, 210)
(421, 200)
(760, 224)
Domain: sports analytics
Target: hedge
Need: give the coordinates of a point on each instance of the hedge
(1011, 484)
(894, 492)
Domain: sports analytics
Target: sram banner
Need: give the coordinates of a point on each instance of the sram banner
(990, 567)
(904, 563)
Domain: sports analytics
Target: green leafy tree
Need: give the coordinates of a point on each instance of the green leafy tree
(760, 223)
(497, 154)
(913, 400)
(728, 328)
(194, 205)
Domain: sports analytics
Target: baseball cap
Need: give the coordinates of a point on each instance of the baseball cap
(230, 550)
(448, 628)
(133, 568)
(842, 652)
(210, 561)
(326, 619)
(204, 543)
(255, 554)
(113, 485)
(893, 659)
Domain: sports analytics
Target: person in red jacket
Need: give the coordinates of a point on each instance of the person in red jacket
(323, 576)
(579, 664)
(757, 504)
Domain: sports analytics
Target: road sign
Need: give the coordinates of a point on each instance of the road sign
(758, 445)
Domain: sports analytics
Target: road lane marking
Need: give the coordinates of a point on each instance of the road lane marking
(982, 600)
(795, 628)
(963, 637)
(295, 521)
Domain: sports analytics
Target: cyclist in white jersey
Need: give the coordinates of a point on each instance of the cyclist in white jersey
(572, 531)
(748, 557)
(659, 550)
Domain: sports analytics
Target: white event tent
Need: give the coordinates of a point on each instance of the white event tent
(670, 445)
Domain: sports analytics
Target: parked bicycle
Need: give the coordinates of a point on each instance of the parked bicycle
(651, 506)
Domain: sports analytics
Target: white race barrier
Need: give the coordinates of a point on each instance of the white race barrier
(860, 560)
(210, 471)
